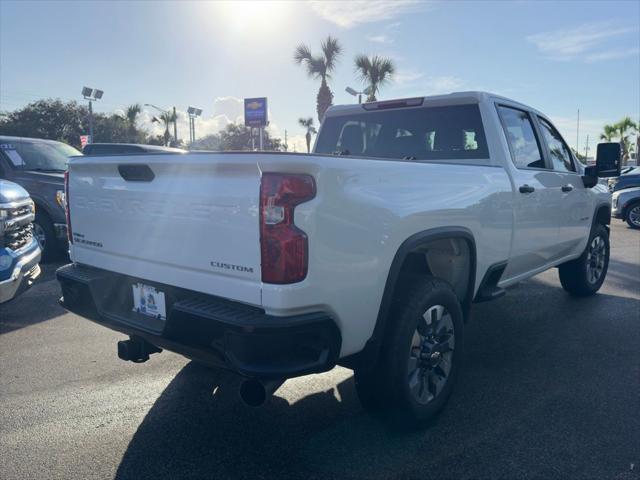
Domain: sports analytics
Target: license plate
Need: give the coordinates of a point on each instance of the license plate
(149, 301)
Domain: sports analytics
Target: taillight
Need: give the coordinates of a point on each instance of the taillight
(66, 206)
(284, 248)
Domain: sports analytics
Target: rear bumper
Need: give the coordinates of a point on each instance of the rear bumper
(222, 333)
(25, 271)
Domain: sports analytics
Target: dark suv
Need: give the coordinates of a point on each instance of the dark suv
(630, 178)
(38, 166)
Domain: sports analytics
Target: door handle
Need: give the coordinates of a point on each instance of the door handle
(526, 189)
(567, 188)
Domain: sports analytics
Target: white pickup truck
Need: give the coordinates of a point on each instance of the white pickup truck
(366, 253)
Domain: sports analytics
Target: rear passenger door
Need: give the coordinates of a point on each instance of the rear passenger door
(574, 222)
(536, 204)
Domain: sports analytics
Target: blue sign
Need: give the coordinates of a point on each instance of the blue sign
(255, 112)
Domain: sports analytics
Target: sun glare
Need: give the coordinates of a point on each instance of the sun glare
(249, 16)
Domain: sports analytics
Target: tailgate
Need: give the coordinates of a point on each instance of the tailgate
(191, 223)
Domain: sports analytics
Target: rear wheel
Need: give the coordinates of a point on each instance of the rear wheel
(420, 356)
(585, 275)
(633, 215)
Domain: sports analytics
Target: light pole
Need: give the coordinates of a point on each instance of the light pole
(91, 94)
(167, 112)
(354, 92)
(193, 113)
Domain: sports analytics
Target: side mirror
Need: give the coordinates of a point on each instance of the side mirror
(608, 159)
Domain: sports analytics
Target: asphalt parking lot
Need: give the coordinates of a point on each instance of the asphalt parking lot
(550, 389)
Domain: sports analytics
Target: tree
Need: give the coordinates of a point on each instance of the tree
(374, 72)
(208, 142)
(623, 128)
(134, 135)
(579, 156)
(238, 137)
(311, 130)
(320, 66)
(131, 114)
(48, 118)
(110, 128)
(609, 131)
(155, 140)
(166, 118)
(66, 121)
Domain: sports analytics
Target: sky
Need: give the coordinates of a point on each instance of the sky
(557, 57)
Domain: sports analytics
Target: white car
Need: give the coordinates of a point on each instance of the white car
(626, 206)
(367, 253)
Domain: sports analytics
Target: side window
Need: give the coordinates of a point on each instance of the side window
(521, 136)
(560, 153)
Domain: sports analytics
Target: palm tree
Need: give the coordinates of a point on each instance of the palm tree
(131, 117)
(321, 67)
(609, 131)
(374, 72)
(623, 128)
(167, 118)
(131, 114)
(311, 130)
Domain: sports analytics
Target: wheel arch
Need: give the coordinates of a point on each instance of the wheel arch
(406, 249)
(602, 215)
(42, 207)
(630, 204)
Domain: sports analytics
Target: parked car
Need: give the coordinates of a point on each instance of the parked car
(126, 148)
(19, 250)
(367, 253)
(630, 177)
(626, 205)
(38, 166)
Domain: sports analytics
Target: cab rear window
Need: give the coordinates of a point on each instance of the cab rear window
(427, 133)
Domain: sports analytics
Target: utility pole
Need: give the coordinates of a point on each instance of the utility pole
(91, 94)
(286, 147)
(586, 149)
(175, 126)
(261, 145)
(91, 121)
(193, 113)
(578, 132)
(168, 113)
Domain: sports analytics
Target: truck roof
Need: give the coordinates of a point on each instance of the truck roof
(455, 98)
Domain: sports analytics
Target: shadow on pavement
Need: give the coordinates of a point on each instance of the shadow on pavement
(624, 275)
(38, 304)
(535, 398)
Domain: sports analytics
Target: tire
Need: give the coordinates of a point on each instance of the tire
(419, 359)
(46, 236)
(585, 275)
(632, 216)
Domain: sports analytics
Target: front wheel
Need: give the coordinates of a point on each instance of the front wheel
(585, 275)
(633, 216)
(421, 353)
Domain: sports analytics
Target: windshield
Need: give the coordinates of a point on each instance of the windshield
(45, 156)
(432, 133)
